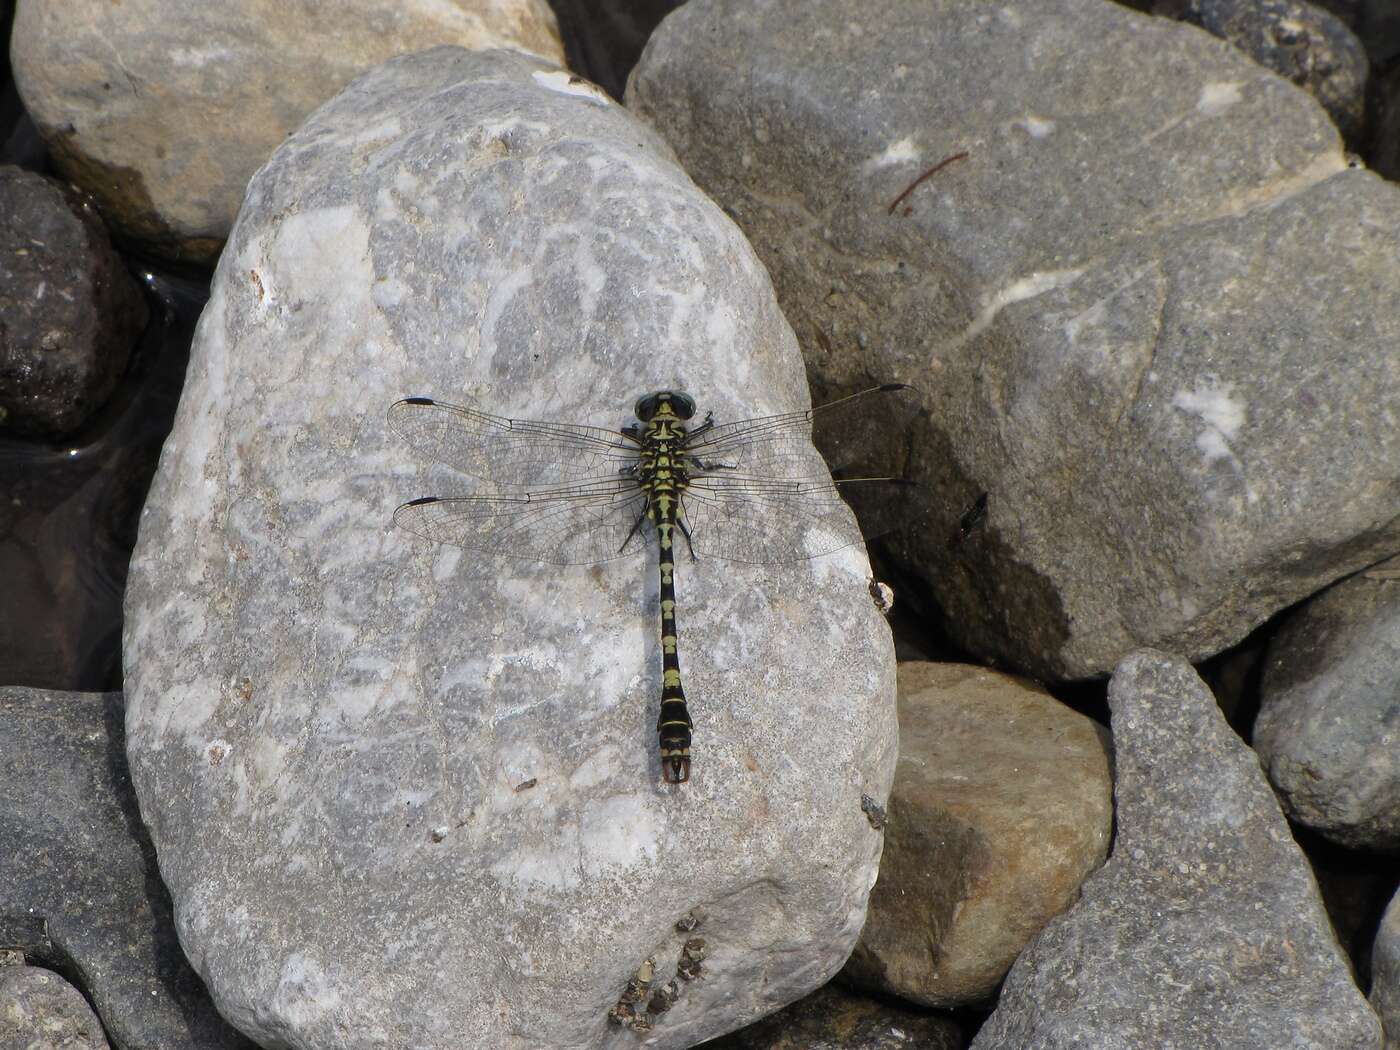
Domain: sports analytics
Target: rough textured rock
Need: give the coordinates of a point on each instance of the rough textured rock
(1153, 310)
(1300, 41)
(163, 111)
(834, 1019)
(1204, 929)
(79, 890)
(1328, 729)
(1002, 804)
(39, 1010)
(351, 745)
(69, 311)
(1385, 974)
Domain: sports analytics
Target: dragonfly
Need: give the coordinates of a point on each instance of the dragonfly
(755, 490)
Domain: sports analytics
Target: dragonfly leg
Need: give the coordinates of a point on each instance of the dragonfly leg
(709, 422)
(635, 526)
(685, 531)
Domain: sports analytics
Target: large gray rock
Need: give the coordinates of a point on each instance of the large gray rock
(79, 889)
(39, 1010)
(1002, 804)
(407, 795)
(1385, 974)
(162, 110)
(1153, 310)
(1328, 729)
(1204, 929)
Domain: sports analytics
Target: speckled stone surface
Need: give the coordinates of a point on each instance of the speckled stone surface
(1153, 310)
(39, 1010)
(402, 794)
(1204, 929)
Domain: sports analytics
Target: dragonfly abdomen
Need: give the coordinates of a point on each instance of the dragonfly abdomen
(673, 725)
(663, 478)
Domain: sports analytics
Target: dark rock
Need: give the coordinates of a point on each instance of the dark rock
(1204, 929)
(832, 1018)
(69, 311)
(1297, 40)
(79, 890)
(1328, 730)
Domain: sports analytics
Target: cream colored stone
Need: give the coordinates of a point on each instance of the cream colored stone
(164, 110)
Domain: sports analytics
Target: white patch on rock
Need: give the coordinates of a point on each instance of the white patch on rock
(566, 83)
(1036, 127)
(1027, 287)
(1223, 416)
(1218, 96)
(305, 992)
(610, 836)
(901, 152)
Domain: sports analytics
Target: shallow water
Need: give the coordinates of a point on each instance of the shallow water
(69, 512)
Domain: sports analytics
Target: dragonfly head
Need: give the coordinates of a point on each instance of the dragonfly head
(665, 402)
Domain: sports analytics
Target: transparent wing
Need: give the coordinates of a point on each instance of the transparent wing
(846, 432)
(761, 492)
(766, 520)
(568, 525)
(510, 453)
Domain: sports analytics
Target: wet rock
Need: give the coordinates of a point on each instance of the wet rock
(39, 1010)
(1002, 804)
(1385, 974)
(835, 1018)
(1152, 309)
(163, 110)
(69, 311)
(353, 745)
(79, 890)
(1299, 41)
(1328, 730)
(1204, 928)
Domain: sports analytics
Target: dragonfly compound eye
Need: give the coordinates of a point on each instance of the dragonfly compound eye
(683, 405)
(646, 408)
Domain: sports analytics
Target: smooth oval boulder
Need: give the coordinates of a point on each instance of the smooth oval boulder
(163, 111)
(406, 794)
(1152, 307)
(1328, 729)
(1002, 805)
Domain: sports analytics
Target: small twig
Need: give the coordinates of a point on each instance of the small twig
(931, 171)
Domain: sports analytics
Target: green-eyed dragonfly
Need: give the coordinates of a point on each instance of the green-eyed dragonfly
(755, 490)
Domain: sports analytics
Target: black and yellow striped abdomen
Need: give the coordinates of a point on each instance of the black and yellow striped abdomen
(661, 472)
